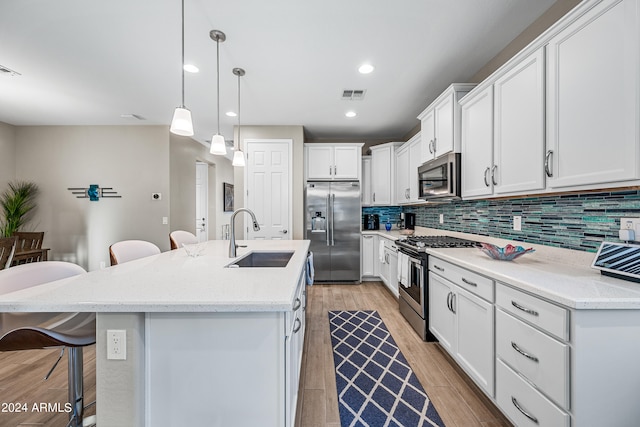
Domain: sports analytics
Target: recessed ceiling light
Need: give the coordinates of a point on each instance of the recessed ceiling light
(231, 114)
(350, 114)
(366, 68)
(190, 68)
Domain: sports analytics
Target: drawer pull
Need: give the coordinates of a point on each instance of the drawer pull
(524, 353)
(438, 268)
(469, 282)
(526, 310)
(297, 304)
(297, 328)
(531, 417)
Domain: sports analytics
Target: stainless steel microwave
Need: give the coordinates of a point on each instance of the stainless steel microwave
(439, 179)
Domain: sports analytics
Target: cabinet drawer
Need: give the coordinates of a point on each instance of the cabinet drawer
(523, 404)
(545, 315)
(389, 244)
(543, 360)
(472, 282)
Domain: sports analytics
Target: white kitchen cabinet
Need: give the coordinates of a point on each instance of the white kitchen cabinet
(408, 159)
(333, 161)
(503, 132)
(593, 107)
(383, 174)
(462, 320)
(294, 344)
(366, 181)
(369, 254)
(440, 123)
(391, 255)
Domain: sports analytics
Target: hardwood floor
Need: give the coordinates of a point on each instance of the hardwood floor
(458, 401)
(21, 381)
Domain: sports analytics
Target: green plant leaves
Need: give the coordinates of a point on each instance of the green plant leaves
(17, 203)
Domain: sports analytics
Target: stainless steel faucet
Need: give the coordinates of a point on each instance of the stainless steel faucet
(232, 242)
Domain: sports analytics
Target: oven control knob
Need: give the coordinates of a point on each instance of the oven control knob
(420, 244)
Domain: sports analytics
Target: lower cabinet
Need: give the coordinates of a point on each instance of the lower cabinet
(294, 344)
(369, 255)
(462, 321)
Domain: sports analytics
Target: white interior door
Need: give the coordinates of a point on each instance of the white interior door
(202, 191)
(268, 182)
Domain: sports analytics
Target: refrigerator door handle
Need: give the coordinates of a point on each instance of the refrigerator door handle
(333, 203)
(328, 219)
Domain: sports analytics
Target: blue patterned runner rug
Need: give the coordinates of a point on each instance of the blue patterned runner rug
(376, 386)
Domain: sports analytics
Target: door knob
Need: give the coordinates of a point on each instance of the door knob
(284, 231)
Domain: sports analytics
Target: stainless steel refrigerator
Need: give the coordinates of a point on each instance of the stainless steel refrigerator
(332, 223)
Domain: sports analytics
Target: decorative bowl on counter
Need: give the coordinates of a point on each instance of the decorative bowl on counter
(407, 231)
(508, 253)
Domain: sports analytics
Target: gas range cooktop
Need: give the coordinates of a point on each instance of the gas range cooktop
(421, 243)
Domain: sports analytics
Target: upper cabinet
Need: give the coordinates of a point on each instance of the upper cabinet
(440, 123)
(503, 132)
(408, 159)
(333, 161)
(593, 98)
(383, 173)
(366, 181)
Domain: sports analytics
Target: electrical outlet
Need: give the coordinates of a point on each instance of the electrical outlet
(631, 224)
(441, 218)
(165, 220)
(116, 344)
(517, 223)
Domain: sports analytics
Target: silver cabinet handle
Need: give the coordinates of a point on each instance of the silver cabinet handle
(431, 146)
(386, 258)
(526, 310)
(524, 353)
(297, 304)
(438, 268)
(469, 282)
(453, 303)
(374, 197)
(531, 417)
(547, 164)
(367, 236)
(297, 328)
(435, 144)
(493, 174)
(449, 301)
(335, 170)
(330, 170)
(486, 180)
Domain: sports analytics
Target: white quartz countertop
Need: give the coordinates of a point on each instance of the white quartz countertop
(559, 275)
(173, 282)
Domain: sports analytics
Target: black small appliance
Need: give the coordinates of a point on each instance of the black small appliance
(371, 222)
(408, 220)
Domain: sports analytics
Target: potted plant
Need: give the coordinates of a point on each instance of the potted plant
(18, 203)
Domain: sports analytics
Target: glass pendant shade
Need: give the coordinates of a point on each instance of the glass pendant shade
(218, 146)
(181, 123)
(238, 158)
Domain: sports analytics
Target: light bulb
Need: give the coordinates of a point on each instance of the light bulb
(181, 123)
(218, 146)
(238, 158)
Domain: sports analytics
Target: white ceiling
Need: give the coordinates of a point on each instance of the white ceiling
(87, 62)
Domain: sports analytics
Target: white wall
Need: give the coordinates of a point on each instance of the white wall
(7, 154)
(134, 160)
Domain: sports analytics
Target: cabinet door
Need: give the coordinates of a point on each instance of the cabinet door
(368, 259)
(477, 144)
(415, 157)
(366, 181)
(346, 162)
(441, 318)
(474, 333)
(402, 176)
(428, 130)
(319, 162)
(381, 176)
(392, 256)
(592, 97)
(518, 159)
(444, 132)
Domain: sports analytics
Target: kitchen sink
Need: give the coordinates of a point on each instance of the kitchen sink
(263, 259)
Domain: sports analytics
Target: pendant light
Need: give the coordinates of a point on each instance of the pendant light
(218, 146)
(238, 156)
(181, 123)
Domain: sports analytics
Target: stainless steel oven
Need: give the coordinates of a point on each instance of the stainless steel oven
(413, 296)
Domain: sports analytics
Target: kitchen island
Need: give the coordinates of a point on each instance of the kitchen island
(205, 344)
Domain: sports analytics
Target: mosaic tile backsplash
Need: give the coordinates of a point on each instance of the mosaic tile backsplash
(575, 221)
(390, 213)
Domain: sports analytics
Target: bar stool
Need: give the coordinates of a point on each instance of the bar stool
(27, 331)
(7, 249)
(128, 250)
(178, 237)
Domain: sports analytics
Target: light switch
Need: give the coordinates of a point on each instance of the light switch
(517, 223)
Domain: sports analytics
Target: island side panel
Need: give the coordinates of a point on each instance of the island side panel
(120, 384)
(215, 369)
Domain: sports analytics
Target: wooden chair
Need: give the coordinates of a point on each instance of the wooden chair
(7, 249)
(29, 247)
(28, 331)
(128, 250)
(178, 237)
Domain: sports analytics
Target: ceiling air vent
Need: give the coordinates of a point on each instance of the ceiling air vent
(353, 94)
(4, 71)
